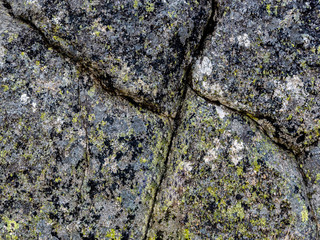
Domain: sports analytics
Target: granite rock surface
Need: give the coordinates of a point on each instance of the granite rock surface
(140, 48)
(228, 180)
(264, 60)
(159, 119)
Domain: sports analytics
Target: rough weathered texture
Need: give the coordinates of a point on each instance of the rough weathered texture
(147, 119)
(227, 180)
(75, 162)
(127, 149)
(310, 163)
(140, 47)
(264, 59)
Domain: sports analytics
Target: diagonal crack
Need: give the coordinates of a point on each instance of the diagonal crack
(297, 156)
(243, 113)
(103, 80)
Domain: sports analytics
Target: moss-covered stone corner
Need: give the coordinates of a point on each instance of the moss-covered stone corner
(227, 180)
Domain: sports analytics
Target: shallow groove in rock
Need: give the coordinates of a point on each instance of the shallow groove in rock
(176, 124)
(87, 151)
(253, 117)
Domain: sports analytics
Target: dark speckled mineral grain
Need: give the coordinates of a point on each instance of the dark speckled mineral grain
(159, 119)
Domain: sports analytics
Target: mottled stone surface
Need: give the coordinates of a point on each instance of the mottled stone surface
(75, 161)
(310, 163)
(151, 120)
(227, 180)
(141, 47)
(264, 59)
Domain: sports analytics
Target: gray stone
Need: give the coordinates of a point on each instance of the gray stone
(264, 59)
(159, 119)
(138, 47)
(310, 163)
(76, 162)
(231, 182)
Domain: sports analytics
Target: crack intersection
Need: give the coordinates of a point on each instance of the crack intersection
(208, 30)
(106, 83)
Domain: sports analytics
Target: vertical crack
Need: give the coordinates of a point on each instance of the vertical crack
(208, 31)
(176, 125)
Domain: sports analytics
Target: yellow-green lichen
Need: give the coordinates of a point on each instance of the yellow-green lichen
(150, 7)
(304, 214)
(135, 4)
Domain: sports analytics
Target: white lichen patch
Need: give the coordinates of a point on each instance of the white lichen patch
(295, 88)
(213, 88)
(58, 123)
(56, 20)
(2, 55)
(32, 1)
(81, 132)
(294, 84)
(212, 154)
(187, 166)
(24, 98)
(232, 40)
(202, 68)
(236, 152)
(34, 107)
(206, 66)
(220, 112)
(244, 40)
